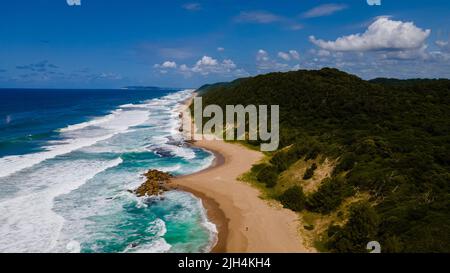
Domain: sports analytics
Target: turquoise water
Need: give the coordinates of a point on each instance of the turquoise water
(66, 188)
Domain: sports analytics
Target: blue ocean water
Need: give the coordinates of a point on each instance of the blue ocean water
(68, 159)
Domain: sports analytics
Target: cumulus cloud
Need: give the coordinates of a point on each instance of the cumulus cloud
(382, 34)
(165, 66)
(208, 65)
(285, 56)
(265, 63)
(324, 10)
(207, 61)
(169, 64)
(259, 17)
(204, 66)
(262, 56)
(294, 54)
(288, 56)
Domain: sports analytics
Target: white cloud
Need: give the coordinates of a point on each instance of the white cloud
(324, 10)
(205, 66)
(206, 61)
(169, 64)
(323, 53)
(294, 54)
(229, 64)
(420, 53)
(288, 56)
(192, 6)
(262, 55)
(260, 17)
(220, 49)
(264, 62)
(165, 66)
(265, 17)
(443, 45)
(285, 56)
(383, 34)
(184, 67)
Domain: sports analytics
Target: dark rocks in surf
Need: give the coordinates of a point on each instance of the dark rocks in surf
(156, 183)
(161, 152)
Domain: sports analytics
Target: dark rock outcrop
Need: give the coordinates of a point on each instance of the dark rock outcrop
(157, 182)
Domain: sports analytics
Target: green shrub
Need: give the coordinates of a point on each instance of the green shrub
(310, 172)
(293, 198)
(268, 175)
(346, 163)
(361, 228)
(329, 195)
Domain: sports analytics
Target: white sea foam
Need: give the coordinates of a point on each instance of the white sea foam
(28, 223)
(157, 246)
(158, 228)
(93, 122)
(75, 141)
(210, 226)
(169, 169)
(191, 203)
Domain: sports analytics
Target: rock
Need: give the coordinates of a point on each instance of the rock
(156, 183)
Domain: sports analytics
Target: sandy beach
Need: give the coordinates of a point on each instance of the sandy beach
(245, 222)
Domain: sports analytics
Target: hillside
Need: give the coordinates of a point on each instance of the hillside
(388, 140)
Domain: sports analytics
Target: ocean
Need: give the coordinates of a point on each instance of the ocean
(69, 158)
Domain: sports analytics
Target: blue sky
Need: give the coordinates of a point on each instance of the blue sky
(110, 44)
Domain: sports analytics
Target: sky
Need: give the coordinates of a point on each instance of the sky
(175, 43)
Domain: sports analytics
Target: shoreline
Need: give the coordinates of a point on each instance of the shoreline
(245, 223)
(212, 209)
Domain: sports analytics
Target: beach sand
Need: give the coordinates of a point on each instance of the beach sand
(245, 222)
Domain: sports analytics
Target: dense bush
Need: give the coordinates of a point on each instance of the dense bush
(293, 198)
(347, 162)
(268, 175)
(309, 173)
(361, 228)
(391, 139)
(329, 195)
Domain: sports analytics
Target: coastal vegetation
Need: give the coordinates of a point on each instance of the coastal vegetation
(389, 143)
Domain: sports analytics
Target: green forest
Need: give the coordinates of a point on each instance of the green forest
(389, 138)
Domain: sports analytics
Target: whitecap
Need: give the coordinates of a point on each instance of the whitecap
(28, 223)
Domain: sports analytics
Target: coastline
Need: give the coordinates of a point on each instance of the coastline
(245, 222)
